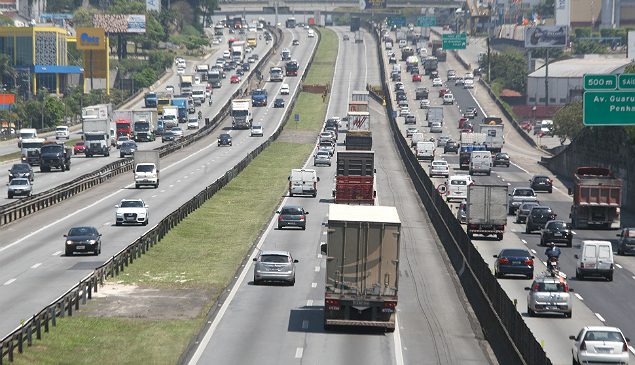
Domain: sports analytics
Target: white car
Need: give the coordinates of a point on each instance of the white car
(256, 130)
(131, 211)
(216, 41)
(436, 127)
(448, 98)
(170, 89)
(600, 345)
(439, 168)
(437, 82)
(192, 123)
(468, 83)
(402, 43)
(178, 132)
(121, 140)
(180, 70)
(424, 104)
(404, 111)
(469, 75)
(61, 131)
(226, 55)
(284, 89)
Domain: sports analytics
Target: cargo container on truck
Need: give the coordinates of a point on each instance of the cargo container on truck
(597, 198)
(215, 78)
(486, 210)
(469, 139)
(358, 121)
(185, 84)
(358, 106)
(494, 138)
(362, 266)
(97, 137)
(430, 64)
(143, 125)
(291, 68)
(146, 168)
(355, 178)
(252, 39)
(359, 95)
(150, 100)
(182, 105)
(465, 154)
(358, 140)
(241, 114)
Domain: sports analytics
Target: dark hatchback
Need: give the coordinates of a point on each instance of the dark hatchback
(523, 211)
(541, 183)
(278, 103)
(538, 217)
(168, 136)
(626, 241)
(451, 146)
(501, 159)
(292, 215)
(224, 140)
(83, 239)
(556, 231)
(470, 112)
(514, 261)
(21, 170)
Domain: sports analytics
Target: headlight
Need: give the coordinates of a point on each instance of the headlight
(69, 242)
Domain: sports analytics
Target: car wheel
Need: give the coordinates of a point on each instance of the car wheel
(510, 211)
(117, 223)
(568, 315)
(530, 313)
(121, 155)
(290, 194)
(530, 276)
(136, 186)
(68, 252)
(304, 228)
(256, 281)
(573, 360)
(569, 244)
(517, 220)
(10, 196)
(550, 191)
(499, 236)
(292, 282)
(609, 277)
(280, 226)
(527, 230)
(145, 222)
(497, 274)
(578, 275)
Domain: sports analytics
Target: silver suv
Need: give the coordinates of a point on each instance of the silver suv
(274, 266)
(549, 294)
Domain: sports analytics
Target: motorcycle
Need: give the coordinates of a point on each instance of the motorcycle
(552, 265)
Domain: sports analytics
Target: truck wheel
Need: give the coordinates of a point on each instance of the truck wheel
(107, 154)
(578, 275)
(499, 236)
(10, 196)
(136, 186)
(527, 230)
(609, 277)
(68, 253)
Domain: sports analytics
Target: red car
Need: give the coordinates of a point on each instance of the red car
(443, 91)
(416, 78)
(462, 122)
(234, 79)
(79, 148)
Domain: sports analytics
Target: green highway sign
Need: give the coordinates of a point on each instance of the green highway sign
(426, 21)
(626, 82)
(454, 41)
(399, 21)
(600, 82)
(604, 108)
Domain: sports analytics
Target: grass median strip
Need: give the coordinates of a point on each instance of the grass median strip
(146, 312)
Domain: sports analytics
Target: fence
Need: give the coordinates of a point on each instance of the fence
(26, 206)
(504, 328)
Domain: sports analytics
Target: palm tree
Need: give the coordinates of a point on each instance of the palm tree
(6, 70)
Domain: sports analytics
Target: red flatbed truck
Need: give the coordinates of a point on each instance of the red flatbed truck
(597, 198)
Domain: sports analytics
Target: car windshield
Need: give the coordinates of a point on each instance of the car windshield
(524, 192)
(19, 182)
(278, 259)
(608, 336)
(291, 210)
(145, 168)
(528, 206)
(557, 225)
(549, 287)
(20, 167)
(502, 155)
(129, 145)
(514, 252)
(82, 231)
(458, 182)
(540, 211)
(131, 204)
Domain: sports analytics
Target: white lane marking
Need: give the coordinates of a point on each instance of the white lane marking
(631, 349)
(525, 242)
(319, 256)
(579, 296)
(36, 265)
(305, 324)
(313, 285)
(154, 196)
(573, 232)
(397, 341)
(163, 191)
(298, 352)
(600, 317)
(508, 184)
(544, 263)
(317, 269)
(533, 251)
(309, 302)
(324, 233)
(618, 266)
(8, 282)
(518, 166)
(56, 253)
(178, 181)
(633, 277)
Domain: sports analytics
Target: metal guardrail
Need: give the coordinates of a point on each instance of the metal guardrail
(26, 206)
(78, 295)
(504, 328)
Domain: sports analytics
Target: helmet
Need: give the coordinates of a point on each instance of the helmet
(553, 245)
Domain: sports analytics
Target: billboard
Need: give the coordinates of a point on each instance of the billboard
(553, 36)
(153, 5)
(120, 23)
(90, 39)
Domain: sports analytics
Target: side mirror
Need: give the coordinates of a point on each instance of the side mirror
(277, 212)
(570, 289)
(527, 288)
(494, 256)
(323, 248)
(628, 339)
(306, 212)
(255, 259)
(100, 235)
(572, 337)
(533, 257)
(295, 261)
(65, 235)
(318, 179)
(116, 206)
(289, 178)
(576, 256)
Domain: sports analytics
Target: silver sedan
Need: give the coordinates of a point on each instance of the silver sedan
(274, 266)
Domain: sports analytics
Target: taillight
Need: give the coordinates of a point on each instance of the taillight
(536, 287)
(529, 262)
(390, 305)
(280, 217)
(583, 346)
(503, 260)
(625, 347)
(332, 304)
(302, 218)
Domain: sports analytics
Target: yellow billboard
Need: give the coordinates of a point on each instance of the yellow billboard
(91, 39)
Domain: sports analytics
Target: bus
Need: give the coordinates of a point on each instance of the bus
(163, 100)
(252, 39)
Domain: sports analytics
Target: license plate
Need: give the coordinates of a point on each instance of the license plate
(551, 308)
(557, 234)
(361, 302)
(80, 247)
(603, 350)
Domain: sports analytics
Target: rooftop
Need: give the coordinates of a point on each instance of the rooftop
(578, 67)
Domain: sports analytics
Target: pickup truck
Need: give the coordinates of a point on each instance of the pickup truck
(519, 196)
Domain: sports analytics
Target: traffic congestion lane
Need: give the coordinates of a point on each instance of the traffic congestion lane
(560, 202)
(81, 165)
(294, 321)
(185, 173)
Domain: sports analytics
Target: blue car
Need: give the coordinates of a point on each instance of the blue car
(278, 103)
(514, 261)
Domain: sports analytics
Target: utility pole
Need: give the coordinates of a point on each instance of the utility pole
(547, 79)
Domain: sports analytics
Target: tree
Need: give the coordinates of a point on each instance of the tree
(585, 46)
(567, 122)
(504, 69)
(7, 72)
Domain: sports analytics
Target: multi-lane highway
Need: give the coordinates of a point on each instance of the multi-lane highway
(284, 325)
(596, 302)
(34, 270)
(81, 165)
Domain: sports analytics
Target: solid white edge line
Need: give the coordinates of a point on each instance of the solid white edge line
(618, 266)
(525, 242)
(309, 303)
(600, 317)
(9, 282)
(36, 265)
(232, 293)
(579, 296)
(397, 343)
(631, 349)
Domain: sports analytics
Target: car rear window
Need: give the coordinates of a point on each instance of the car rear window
(458, 182)
(540, 211)
(557, 225)
(513, 252)
(609, 336)
(528, 206)
(549, 287)
(524, 192)
(291, 211)
(541, 178)
(280, 259)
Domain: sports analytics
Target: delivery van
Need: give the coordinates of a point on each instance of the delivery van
(481, 162)
(456, 187)
(425, 150)
(595, 259)
(303, 182)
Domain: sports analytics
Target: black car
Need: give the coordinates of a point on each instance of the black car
(224, 140)
(433, 75)
(470, 112)
(556, 231)
(292, 215)
(514, 261)
(246, 66)
(21, 170)
(168, 136)
(501, 159)
(477, 71)
(83, 239)
(127, 149)
(278, 103)
(626, 241)
(451, 146)
(332, 124)
(401, 95)
(421, 93)
(538, 217)
(541, 183)
(392, 59)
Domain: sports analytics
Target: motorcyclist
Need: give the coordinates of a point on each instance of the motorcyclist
(552, 251)
(200, 115)
(210, 101)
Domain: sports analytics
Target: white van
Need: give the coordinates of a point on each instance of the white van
(396, 68)
(284, 89)
(456, 187)
(61, 131)
(26, 133)
(481, 162)
(595, 259)
(303, 182)
(311, 33)
(416, 138)
(425, 150)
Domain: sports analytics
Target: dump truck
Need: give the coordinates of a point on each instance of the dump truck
(362, 266)
(434, 114)
(358, 106)
(359, 95)
(355, 178)
(430, 64)
(143, 125)
(55, 155)
(185, 84)
(597, 198)
(241, 114)
(486, 210)
(146, 168)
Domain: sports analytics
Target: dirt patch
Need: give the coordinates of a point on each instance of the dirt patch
(291, 135)
(131, 301)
